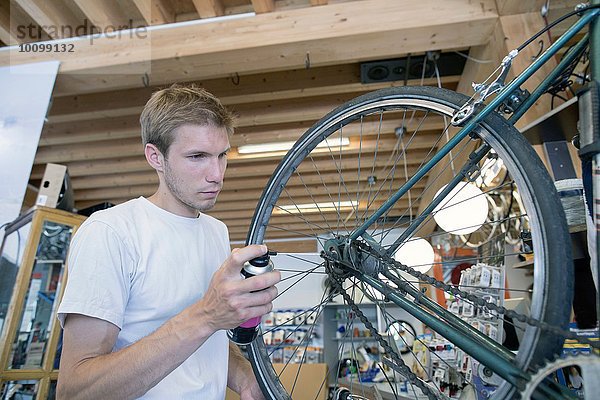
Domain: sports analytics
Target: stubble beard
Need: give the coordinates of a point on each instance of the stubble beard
(175, 184)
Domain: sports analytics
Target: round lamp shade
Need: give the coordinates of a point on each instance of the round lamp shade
(463, 210)
(416, 253)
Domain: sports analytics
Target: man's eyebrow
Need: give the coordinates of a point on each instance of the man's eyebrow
(190, 152)
(204, 152)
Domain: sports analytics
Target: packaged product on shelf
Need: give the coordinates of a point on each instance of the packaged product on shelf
(299, 317)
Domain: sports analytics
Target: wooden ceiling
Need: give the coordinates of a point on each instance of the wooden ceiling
(280, 65)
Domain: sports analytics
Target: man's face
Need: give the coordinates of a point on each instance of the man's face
(195, 165)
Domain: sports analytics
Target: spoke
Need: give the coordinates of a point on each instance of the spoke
(338, 209)
(307, 340)
(374, 162)
(303, 234)
(301, 214)
(314, 201)
(358, 191)
(294, 284)
(382, 307)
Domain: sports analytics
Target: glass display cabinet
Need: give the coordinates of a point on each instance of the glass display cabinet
(32, 276)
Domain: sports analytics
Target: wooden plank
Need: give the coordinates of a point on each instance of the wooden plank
(128, 127)
(293, 246)
(263, 6)
(262, 113)
(57, 20)
(231, 191)
(510, 7)
(8, 32)
(155, 12)
(557, 7)
(132, 146)
(335, 33)
(150, 179)
(138, 163)
(90, 131)
(104, 13)
(209, 8)
(248, 89)
(318, 2)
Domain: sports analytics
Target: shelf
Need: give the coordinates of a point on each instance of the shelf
(524, 264)
(353, 339)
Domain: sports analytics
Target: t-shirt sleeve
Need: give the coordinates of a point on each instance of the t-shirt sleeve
(99, 270)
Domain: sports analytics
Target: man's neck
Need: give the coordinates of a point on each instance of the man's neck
(167, 202)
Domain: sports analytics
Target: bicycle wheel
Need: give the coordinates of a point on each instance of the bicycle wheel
(334, 178)
(487, 231)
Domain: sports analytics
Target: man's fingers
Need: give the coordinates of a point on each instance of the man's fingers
(260, 282)
(239, 256)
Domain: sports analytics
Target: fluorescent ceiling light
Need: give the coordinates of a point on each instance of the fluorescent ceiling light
(285, 146)
(315, 207)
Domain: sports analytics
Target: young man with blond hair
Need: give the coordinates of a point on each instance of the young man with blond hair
(152, 285)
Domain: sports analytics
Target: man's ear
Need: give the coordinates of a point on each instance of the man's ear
(154, 157)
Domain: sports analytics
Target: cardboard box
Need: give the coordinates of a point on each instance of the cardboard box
(308, 386)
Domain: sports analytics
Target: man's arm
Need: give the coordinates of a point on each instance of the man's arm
(241, 378)
(89, 370)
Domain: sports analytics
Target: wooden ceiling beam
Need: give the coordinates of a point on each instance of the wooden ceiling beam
(139, 164)
(90, 131)
(311, 227)
(241, 220)
(150, 179)
(227, 204)
(103, 13)
(263, 6)
(128, 127)
(276, 86)
(232, 194)
(155, 12)
(8, 31)
(209, 8)
(273, 112)
(334, 33)
(239, 185)
(54, 17)
(107, 150)
(509, 7)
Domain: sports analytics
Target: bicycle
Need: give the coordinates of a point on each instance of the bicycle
(354, 216)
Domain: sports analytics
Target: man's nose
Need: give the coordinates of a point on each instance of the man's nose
(216, 171)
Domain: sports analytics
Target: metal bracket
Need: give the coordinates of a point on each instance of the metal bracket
(483, 91)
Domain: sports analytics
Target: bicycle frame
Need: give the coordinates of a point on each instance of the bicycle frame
(479, 346)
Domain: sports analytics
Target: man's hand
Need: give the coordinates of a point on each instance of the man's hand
(230, 299)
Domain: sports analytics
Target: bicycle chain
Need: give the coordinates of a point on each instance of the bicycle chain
(478, 301)
(400, 364)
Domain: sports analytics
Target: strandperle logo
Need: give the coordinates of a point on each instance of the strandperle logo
(86, 29)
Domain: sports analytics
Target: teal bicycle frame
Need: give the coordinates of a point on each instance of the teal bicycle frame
(473, 342)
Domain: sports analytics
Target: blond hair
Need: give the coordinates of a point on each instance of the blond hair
(178, 105)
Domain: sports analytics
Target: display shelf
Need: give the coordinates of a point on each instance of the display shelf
(34, 252)
(372, 311)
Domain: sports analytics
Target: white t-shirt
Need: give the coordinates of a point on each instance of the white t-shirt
(136, 265)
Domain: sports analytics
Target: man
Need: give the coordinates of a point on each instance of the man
(152, 287)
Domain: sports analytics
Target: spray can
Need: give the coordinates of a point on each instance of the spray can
(247, 332)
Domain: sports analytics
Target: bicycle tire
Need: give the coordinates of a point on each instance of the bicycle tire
(552, 294)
